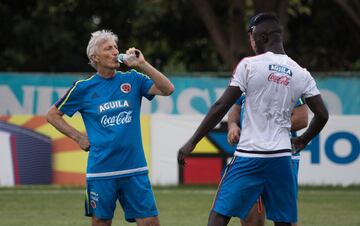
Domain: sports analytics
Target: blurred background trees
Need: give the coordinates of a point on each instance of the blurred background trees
(176, 36)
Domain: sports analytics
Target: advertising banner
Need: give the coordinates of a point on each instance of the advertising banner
(35, 93)
(333, 158)
(34, 152)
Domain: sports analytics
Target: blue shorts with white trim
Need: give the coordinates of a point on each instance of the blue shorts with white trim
(134, 194)
(246, 179)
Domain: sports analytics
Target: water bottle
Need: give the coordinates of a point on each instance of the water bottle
(127, 57)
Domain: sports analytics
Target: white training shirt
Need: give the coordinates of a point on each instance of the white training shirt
(272, 83)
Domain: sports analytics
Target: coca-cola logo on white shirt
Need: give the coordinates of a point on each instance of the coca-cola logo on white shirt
(282, 80)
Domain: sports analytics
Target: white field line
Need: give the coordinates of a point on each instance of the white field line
(77, 191)
(45, 192)
(156, 191)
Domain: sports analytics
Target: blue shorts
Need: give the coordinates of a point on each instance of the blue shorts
(134, 194)
(295, 165)
(246, 179)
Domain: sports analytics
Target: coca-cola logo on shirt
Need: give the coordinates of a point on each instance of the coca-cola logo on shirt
(123, 117)
(282, 80)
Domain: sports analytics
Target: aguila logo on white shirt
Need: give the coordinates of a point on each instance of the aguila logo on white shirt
(280, 69)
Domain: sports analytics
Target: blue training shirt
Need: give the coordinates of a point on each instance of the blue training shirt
(241, 102)
(296, 156)
(298, 104)
(110, 109)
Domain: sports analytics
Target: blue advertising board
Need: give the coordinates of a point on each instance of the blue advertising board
(35, 93)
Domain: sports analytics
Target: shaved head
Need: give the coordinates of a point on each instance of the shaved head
(268, 27)
(264, 30)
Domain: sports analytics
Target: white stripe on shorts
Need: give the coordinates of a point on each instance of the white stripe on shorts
(116, 173)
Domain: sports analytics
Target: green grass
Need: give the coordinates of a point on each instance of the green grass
(178, 206)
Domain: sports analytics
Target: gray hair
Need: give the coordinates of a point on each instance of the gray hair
(97, 38)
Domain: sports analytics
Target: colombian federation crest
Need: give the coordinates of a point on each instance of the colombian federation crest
(125, 88)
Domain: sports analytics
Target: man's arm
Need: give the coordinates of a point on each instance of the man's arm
(55, 118)
(162, 85)
(299, 118)
(233, 124)
(213, 117)
(317, 123)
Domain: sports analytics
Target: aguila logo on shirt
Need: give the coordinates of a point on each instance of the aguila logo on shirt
(280, 69)
(125, 88)
(113, 105)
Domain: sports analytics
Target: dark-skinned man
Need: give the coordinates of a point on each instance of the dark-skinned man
(261, 165)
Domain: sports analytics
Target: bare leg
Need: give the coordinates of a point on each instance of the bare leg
(148, 221)
(255, 217)
(99, 222)
(216, 219)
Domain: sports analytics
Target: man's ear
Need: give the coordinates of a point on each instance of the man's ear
(264, 38)
(95, 58)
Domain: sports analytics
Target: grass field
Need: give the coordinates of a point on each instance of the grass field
(178, 206)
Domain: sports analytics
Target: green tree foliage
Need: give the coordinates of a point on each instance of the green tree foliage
(326, 40)
(181, 35)
(50, 35)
